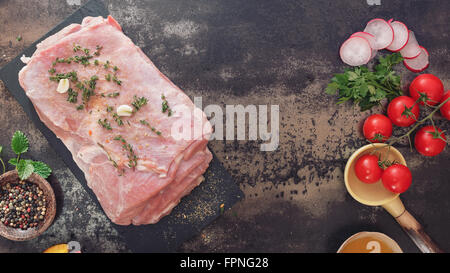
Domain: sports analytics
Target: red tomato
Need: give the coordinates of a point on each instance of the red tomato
(377, 128)
(428, 84)
(397, 107)
(367, 169)
(397, 178)
(427, 142)
(445, 109)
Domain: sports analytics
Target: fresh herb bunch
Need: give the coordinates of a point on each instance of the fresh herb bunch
(25, 167)
(368, 88)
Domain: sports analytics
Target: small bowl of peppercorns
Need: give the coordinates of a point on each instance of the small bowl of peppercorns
(27, 208)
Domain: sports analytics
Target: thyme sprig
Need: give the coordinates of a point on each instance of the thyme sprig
(117, 119)
(105, 124)
(114, 163)
(144, 122)
(59, 76)
(72, 96)
(132, 158)
(165, 106)
(138, 103)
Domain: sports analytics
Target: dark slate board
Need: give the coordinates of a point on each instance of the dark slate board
(194, 212)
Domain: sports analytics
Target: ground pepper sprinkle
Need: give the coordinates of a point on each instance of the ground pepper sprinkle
(22, 205)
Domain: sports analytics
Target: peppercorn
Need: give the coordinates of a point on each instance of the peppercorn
(22, 205)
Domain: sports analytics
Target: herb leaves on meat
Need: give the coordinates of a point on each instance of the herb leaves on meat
(72, 96)
(144, 122)
(105, 124)
(165, 106)
(139, 102)
(117, 119)
(132, 158)
(70, 75)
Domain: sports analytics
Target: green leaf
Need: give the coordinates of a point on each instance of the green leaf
(332, 88)
(342, 79)
(352, 76)
(19, 143)
(1, 149)
(363, 89)
(394, 58)
(13, 161)
(366, 104)
(24, 169)
(371, 89)
(41, 169)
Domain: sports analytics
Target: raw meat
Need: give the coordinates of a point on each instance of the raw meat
(135, 184)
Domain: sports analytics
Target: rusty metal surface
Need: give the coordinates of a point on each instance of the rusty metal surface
(254, 52)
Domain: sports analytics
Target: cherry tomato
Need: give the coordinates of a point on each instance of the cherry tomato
(367, 169)
(427, 141)
(397, 178)
(377, 128)
(428, 84)
(397, 107)
(445, 109)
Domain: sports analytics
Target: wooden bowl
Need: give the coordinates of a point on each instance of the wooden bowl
(370, 194)
(17, 234)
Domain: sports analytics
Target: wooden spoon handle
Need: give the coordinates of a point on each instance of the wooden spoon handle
(417, 234)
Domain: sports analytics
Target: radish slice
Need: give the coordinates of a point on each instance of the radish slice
(370, 38)
(356, 51)
(401, 36)
(412, 48)
(420, 63)
(383, 32)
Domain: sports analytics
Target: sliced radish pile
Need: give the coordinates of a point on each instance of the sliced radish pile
(356, 51)
(379, 34)
(412, 48)
(383, 32)
(419, 63)
(370, 38)
(401, 36)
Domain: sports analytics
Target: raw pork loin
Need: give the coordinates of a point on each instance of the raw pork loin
(135, 165)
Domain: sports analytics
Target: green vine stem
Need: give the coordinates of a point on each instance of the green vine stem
(394, 140)
(3, 164)
(1, 160)
(418, 123)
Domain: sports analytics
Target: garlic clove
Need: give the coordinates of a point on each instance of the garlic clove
(63, 86)
(124, 110)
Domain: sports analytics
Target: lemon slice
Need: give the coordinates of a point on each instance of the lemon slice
(61, 248)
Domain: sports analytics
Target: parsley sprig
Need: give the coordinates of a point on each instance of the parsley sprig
(25, 167)
(368, 88)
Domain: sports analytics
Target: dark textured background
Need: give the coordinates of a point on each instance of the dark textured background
(253, 52)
